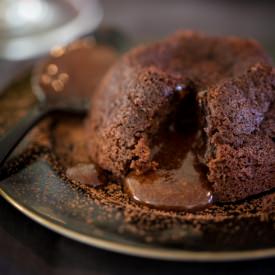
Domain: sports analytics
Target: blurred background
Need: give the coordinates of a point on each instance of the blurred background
(30, 28)
(150, 19)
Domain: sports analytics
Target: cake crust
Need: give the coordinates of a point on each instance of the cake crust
(144, 88)
(239, 132)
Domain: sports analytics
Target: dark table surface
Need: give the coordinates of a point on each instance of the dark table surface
(28, 248)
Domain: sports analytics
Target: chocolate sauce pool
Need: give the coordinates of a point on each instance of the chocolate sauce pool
(179, 182)
(85, 174)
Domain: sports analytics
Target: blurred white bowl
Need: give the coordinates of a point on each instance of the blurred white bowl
(30, 28)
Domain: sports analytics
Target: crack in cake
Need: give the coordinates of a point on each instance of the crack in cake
(231, 83)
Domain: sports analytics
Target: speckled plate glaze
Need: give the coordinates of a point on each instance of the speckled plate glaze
(39, 191)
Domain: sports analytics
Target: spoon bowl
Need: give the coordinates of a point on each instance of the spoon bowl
(63, 82)
(51, 80)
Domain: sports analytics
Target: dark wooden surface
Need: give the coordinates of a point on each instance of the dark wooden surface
(28, 248)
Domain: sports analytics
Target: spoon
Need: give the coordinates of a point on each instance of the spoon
(62, 83)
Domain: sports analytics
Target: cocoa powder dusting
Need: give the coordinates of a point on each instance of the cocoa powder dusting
(142, 220)
(61, 142)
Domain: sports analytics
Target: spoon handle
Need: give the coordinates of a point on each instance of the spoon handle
(9, 141)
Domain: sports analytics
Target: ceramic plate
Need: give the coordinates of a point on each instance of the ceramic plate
(221, 233)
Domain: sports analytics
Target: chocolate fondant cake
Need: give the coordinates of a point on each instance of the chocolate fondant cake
(239, 144)
(233, 87)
